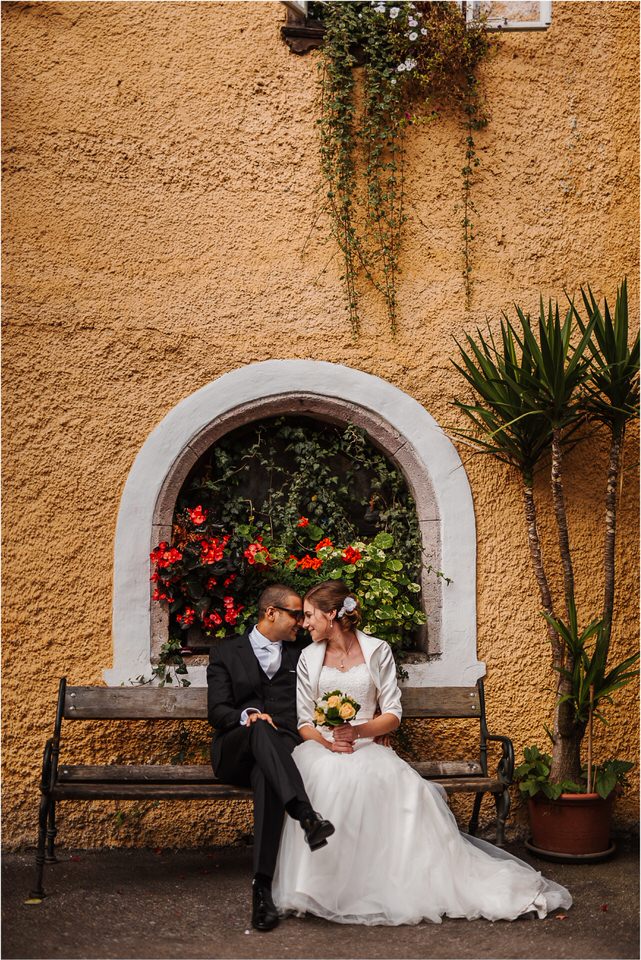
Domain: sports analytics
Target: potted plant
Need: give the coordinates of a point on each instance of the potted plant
(534, 391)
(570, 819)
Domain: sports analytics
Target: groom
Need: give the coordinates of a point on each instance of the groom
(251, 702)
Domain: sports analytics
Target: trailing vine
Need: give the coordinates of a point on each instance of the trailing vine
(412, 54)
(475, 120)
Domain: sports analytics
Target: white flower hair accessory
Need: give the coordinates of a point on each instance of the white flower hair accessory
(349, 605)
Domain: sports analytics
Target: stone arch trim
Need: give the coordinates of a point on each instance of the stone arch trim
(395, 422)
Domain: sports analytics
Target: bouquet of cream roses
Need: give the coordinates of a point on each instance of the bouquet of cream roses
(335, 708)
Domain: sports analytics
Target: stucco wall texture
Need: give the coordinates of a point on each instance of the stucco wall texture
(161, 228)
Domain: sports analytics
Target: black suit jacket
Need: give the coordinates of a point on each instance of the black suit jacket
(234, 683)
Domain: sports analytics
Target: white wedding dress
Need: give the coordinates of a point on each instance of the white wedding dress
(397, 855)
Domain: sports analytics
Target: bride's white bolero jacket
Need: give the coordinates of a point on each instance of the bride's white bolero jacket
(380, 663)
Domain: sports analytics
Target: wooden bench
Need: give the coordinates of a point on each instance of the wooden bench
(164, 782)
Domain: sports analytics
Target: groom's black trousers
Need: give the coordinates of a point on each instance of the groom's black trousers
(260, 757)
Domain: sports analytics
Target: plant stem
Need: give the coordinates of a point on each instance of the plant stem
(560, 514)
(614, 470)
(536, 556)
(591, 710)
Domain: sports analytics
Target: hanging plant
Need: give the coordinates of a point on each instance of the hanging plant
(413, 55)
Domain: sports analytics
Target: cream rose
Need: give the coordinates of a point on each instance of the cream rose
(333, 701)
(319, 716)
(347, 711)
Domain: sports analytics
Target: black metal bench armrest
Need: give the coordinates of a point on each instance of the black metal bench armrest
(45, 781)
(505, 769)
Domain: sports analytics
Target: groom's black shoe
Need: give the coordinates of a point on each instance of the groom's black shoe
(316, 830)
(264, 913)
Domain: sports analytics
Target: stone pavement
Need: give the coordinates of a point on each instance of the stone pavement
(190, 904)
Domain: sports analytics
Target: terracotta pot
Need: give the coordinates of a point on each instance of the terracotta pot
(575, 824)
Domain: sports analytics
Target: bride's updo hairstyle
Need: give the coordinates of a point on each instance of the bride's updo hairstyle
(331, 595)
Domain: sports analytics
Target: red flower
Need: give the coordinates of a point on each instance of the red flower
(155, 577)
(303, 522)
(323, 543)
(310, 563)
(212, 551)
(257, 549)
(212, 619)
(197, 515)
(231, 616)
(351, 555)
(230, 579)
(211, 583)
(163, 557)
(159, 552)
(187, 617)
(160, 595)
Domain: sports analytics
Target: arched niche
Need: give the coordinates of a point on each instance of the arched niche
(394, 421)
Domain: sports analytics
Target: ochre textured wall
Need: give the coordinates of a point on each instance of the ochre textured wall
(160, 229)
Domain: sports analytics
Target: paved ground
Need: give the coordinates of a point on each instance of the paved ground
(195, 904)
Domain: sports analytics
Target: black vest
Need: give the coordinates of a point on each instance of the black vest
(279, 693)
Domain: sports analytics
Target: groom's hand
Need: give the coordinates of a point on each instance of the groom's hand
(253, 717)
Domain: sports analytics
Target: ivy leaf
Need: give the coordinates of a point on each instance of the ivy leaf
(383, 541)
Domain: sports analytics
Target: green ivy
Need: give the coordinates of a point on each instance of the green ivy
(417, 58)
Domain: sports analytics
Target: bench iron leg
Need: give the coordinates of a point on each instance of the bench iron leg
(51, 835)
(474, 820)
(502, 801)
(38, 894)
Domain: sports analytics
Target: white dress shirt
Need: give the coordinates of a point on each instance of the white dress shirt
(268, 653)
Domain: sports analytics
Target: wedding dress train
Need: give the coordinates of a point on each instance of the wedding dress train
(397, 856)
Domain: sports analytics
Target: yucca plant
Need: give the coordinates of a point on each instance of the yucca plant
(533, 390)
(611, 398)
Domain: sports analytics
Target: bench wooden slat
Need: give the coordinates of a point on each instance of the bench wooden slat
(150, 791)
(441, 702)
(146, 773)
(202, 773)
(447, 768)
(153, 790)
(470, 785)
(135, 703)
(190, 703)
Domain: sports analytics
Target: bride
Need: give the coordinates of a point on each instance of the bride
(397, 855)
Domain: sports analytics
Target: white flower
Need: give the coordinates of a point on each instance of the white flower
(413, 36)
(424, 31)
(412, 22)
(410, 64)
(394, 12)
(400, 67)
(349, 605)
(393, 81)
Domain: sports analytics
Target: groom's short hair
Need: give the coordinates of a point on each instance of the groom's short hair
(276, 595)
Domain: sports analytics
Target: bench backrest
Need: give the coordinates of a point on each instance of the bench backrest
(190, 703)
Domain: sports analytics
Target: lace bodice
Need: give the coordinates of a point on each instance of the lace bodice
(356, 683)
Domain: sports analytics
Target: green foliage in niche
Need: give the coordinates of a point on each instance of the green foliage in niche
(275, 471)
(418, 59)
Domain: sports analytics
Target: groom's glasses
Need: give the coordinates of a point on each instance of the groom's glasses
(298, 615)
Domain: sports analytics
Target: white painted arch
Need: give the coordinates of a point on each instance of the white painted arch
(446, 513)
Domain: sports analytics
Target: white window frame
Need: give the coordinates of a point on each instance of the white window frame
(472, 9)
(299, 7)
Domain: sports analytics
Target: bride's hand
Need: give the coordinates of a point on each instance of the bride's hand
(345, 733)
(337, 746)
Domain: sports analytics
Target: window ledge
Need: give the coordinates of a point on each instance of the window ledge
(301, 38)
